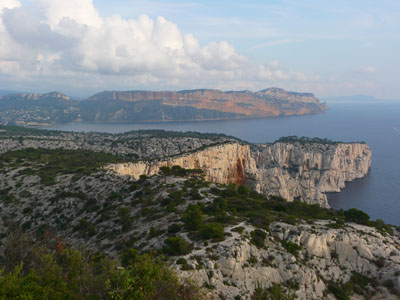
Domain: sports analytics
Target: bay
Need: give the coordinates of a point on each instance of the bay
(376, 123)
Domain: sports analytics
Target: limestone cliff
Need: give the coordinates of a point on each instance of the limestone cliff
(236, 266)
(308, 171)
(224, 163)
(265, 103)
(290, 170)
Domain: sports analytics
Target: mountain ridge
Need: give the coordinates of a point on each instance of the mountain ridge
(142, 106)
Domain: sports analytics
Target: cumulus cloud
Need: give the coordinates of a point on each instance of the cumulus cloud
(52, 39)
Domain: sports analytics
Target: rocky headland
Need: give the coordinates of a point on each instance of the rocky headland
(236, 241)
(143, 106)
(293, 169)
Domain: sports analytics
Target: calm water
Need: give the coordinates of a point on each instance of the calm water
(376, 123)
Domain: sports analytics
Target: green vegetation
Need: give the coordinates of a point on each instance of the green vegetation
(49, 269)
(50, 163)
(240, 204)
(341, 291)
(193, 217)
(305, 140)
(356, 216)
(358, 283)
(179, 171)
(291, 247)
(258, 238)
(275, 292)
(212, 231)
(261, 210)
(360, 217)
(176, 246)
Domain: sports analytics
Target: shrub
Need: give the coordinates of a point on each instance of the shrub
(51, 270)
(176, 246)
(174, 228)
(291, 247)
(84, 226)
(212, 231)
(153, 232)
(275, 292)
(243, 190)
(181, 261)
(356, 216)
(193, 217)
(361, 282)
(341, 291)
(258, 237)
(124, 218)
(238, 229)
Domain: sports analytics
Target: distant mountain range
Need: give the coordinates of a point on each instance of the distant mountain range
(142, 106)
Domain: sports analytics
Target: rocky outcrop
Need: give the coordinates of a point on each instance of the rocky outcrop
(235, 266)
(308, 171)
(265, 103)
(290, 170)
(226, 163)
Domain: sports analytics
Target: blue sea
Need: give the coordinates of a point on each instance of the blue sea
(376, 123)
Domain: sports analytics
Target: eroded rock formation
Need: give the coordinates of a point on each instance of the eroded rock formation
(290, 170)
(327, 255)
(308, 171)
(226, 163)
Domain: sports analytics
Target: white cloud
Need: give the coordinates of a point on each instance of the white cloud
(274, 71)
(368, 69)
(54, 41)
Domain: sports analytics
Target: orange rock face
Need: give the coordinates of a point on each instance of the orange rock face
(266, 103)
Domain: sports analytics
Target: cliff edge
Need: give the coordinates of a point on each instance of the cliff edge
(287, 169)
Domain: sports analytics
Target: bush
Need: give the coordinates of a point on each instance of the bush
(258, 237)
(341, 291)
(356, 216)
(51, 270)
(212, 231)
(238, 229)
(125, 219)
(275, 292)
(174, 246)
(85, 227)
(174, 228)
(243, 190)
(193, 217)
(291, 247)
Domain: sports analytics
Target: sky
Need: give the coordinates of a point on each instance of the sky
(80, 47)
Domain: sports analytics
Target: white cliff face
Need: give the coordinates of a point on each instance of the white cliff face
(308, 171)
(289, 170)
(221, 164)
(235, 266)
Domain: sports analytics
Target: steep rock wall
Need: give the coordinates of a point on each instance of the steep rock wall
(290, 170)
(221, 164)
(308, 171)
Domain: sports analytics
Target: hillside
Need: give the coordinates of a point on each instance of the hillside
(233, 242)
(142, 106)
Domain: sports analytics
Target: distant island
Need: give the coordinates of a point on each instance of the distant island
(145, 106)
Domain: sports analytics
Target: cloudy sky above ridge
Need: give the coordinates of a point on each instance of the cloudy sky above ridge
(330, 48)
